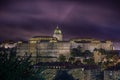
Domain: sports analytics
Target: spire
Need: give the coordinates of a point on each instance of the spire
(57, 27)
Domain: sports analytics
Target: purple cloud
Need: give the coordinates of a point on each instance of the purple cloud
(76, 18)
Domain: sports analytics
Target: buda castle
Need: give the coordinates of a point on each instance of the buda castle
(53, 46)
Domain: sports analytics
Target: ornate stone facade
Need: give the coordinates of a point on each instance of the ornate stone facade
(91, 44)
(53, 46)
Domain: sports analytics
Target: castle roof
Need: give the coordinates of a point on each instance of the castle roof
(42, 37)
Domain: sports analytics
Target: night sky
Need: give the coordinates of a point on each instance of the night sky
(23, 19)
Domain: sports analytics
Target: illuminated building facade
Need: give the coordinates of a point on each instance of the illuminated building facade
(8, 44)
(53, 46)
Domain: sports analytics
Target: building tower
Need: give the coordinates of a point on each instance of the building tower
(58, 33)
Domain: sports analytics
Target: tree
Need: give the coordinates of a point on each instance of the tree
(17, 68)
(71, 59)
(76, 52)
(78, 62)
(103, 51)
(87, 53)
(89, 61)
(62, 58)
(63, 75)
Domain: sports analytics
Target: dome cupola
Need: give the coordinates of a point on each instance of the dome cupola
(58, 33)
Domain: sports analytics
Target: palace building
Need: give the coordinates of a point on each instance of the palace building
(53, 46)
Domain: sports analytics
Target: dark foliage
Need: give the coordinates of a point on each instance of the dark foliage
(62, 58)
(17, 68)
(75, 52)
(63, 75)
(87, 53)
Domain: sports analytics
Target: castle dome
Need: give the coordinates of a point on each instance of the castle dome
(57, 31)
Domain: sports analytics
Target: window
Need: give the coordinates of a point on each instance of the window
(32, 41)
